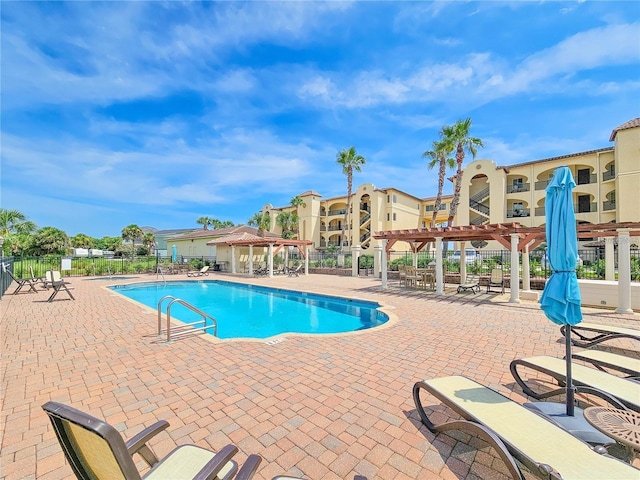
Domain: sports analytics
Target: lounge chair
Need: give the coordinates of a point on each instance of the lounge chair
(95, 449)
(590, 334)
(41, 279)
(496, 280)
(472, 282)
(22, 282)
(54, 279)
(605, 360)
(294, 272)
(199, 273)
(517, 433)
(588, 380)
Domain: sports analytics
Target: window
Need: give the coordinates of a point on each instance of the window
(388, 217)
(517, 184)
(395, 198)
(429, 208)
(394, 217)
(443, 206)
(388, 198)
(424, 224)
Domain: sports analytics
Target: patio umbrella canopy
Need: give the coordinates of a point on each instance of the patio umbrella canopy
(560, 299)
(174, 254)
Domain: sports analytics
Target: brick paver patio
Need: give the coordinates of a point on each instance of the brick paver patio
(321, 407)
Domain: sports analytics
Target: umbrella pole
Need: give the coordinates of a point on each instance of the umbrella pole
(570, 388)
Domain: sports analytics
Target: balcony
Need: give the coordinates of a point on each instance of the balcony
(541, 185)
(609, 175)
(521, 187)
(585, 208)
(341, 211)
(335, 228)
(521, 212)
(586, 179)
(608, 205)
(539, 212)
(323, 228)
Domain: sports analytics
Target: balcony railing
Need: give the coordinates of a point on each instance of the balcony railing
(608, 175)
(364, 219)
(539, 211)
(593, 178)
(479, 220)
(342, 211)
(334, 228)
(588, 208)
(521, 187)
(479, 207)
(524, 212)
(541, 184)
(480, 196)
(365, 207)
(608, 206)
(323, 228)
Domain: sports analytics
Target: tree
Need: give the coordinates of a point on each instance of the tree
(288, 221)
(15, 229)
(458, 137)
(297, 202)
(149, 241)
(132, 232)
(439, 156)
(108, 243)
(50, 240)
(205, 222)
(261, 221)
(350, 162)
(81, 241)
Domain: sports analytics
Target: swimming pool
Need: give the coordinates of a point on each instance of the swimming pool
(250, 311)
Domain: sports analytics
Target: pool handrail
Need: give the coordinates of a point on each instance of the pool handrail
(186, 329)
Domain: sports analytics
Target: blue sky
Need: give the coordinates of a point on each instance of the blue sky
(158, 113)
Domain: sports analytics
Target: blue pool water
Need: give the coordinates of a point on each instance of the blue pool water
(249, 311)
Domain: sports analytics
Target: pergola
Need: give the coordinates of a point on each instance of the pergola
(275, 244)
(514, 237)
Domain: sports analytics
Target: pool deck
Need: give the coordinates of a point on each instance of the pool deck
(321, 407)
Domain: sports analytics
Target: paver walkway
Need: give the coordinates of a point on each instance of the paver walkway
(322, 407)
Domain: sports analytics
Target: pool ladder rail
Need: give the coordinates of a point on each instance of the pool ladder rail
(179, 331)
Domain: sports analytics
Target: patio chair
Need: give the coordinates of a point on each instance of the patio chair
(517, 433)
(411, 277)
(606, 360)
(402, 275)
(199, 273)
(54, 279)
(95, 449)
(496, 280)
(41, 279)
(472, 282)
(22, 282)
(618, 391)
(590, 334)
(294, 272)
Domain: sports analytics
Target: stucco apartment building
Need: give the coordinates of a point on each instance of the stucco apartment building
(607, 190)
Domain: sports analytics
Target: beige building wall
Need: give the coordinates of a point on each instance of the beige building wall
(196, 247)
(627, 160)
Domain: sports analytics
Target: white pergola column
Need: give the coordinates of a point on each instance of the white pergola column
(526, 276)
(355, 255)
(250, 260)
(439, 273)
(415, 256)
(233, 259)
(515, 270)
(624, 271)
(270, 260)
(463, 262)
(377, 260)
(609, 259)
(384, 263)
(306, 261)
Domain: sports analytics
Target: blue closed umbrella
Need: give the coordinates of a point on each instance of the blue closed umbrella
(174, 254)
(560, 300)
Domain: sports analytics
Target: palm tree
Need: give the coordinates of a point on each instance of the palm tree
(296, 202)
(49, 240)
(350, 161)
(205, 222)
(81, 241)
(132, 232)
(288, 221)
(458, 137)
(262, 221)
(149, 241)
(15, 229)
(439, 156)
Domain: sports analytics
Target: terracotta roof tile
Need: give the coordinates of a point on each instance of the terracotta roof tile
(625, 126)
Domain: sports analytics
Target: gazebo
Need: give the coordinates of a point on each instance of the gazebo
(274, 244)
(516, 238)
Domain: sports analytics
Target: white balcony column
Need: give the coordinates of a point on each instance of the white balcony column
(270, 260)
(355, 256)
(526, 270)
(463, 262)
(609, 258)
(251, 260)
(233, 259)
(306, 261)
(377, 260)
(624, 271)
(383, 261)
(515, 270)
(439, 273)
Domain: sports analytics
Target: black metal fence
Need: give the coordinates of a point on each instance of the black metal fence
(5, 278)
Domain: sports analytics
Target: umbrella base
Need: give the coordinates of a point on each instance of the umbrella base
(576, 425)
